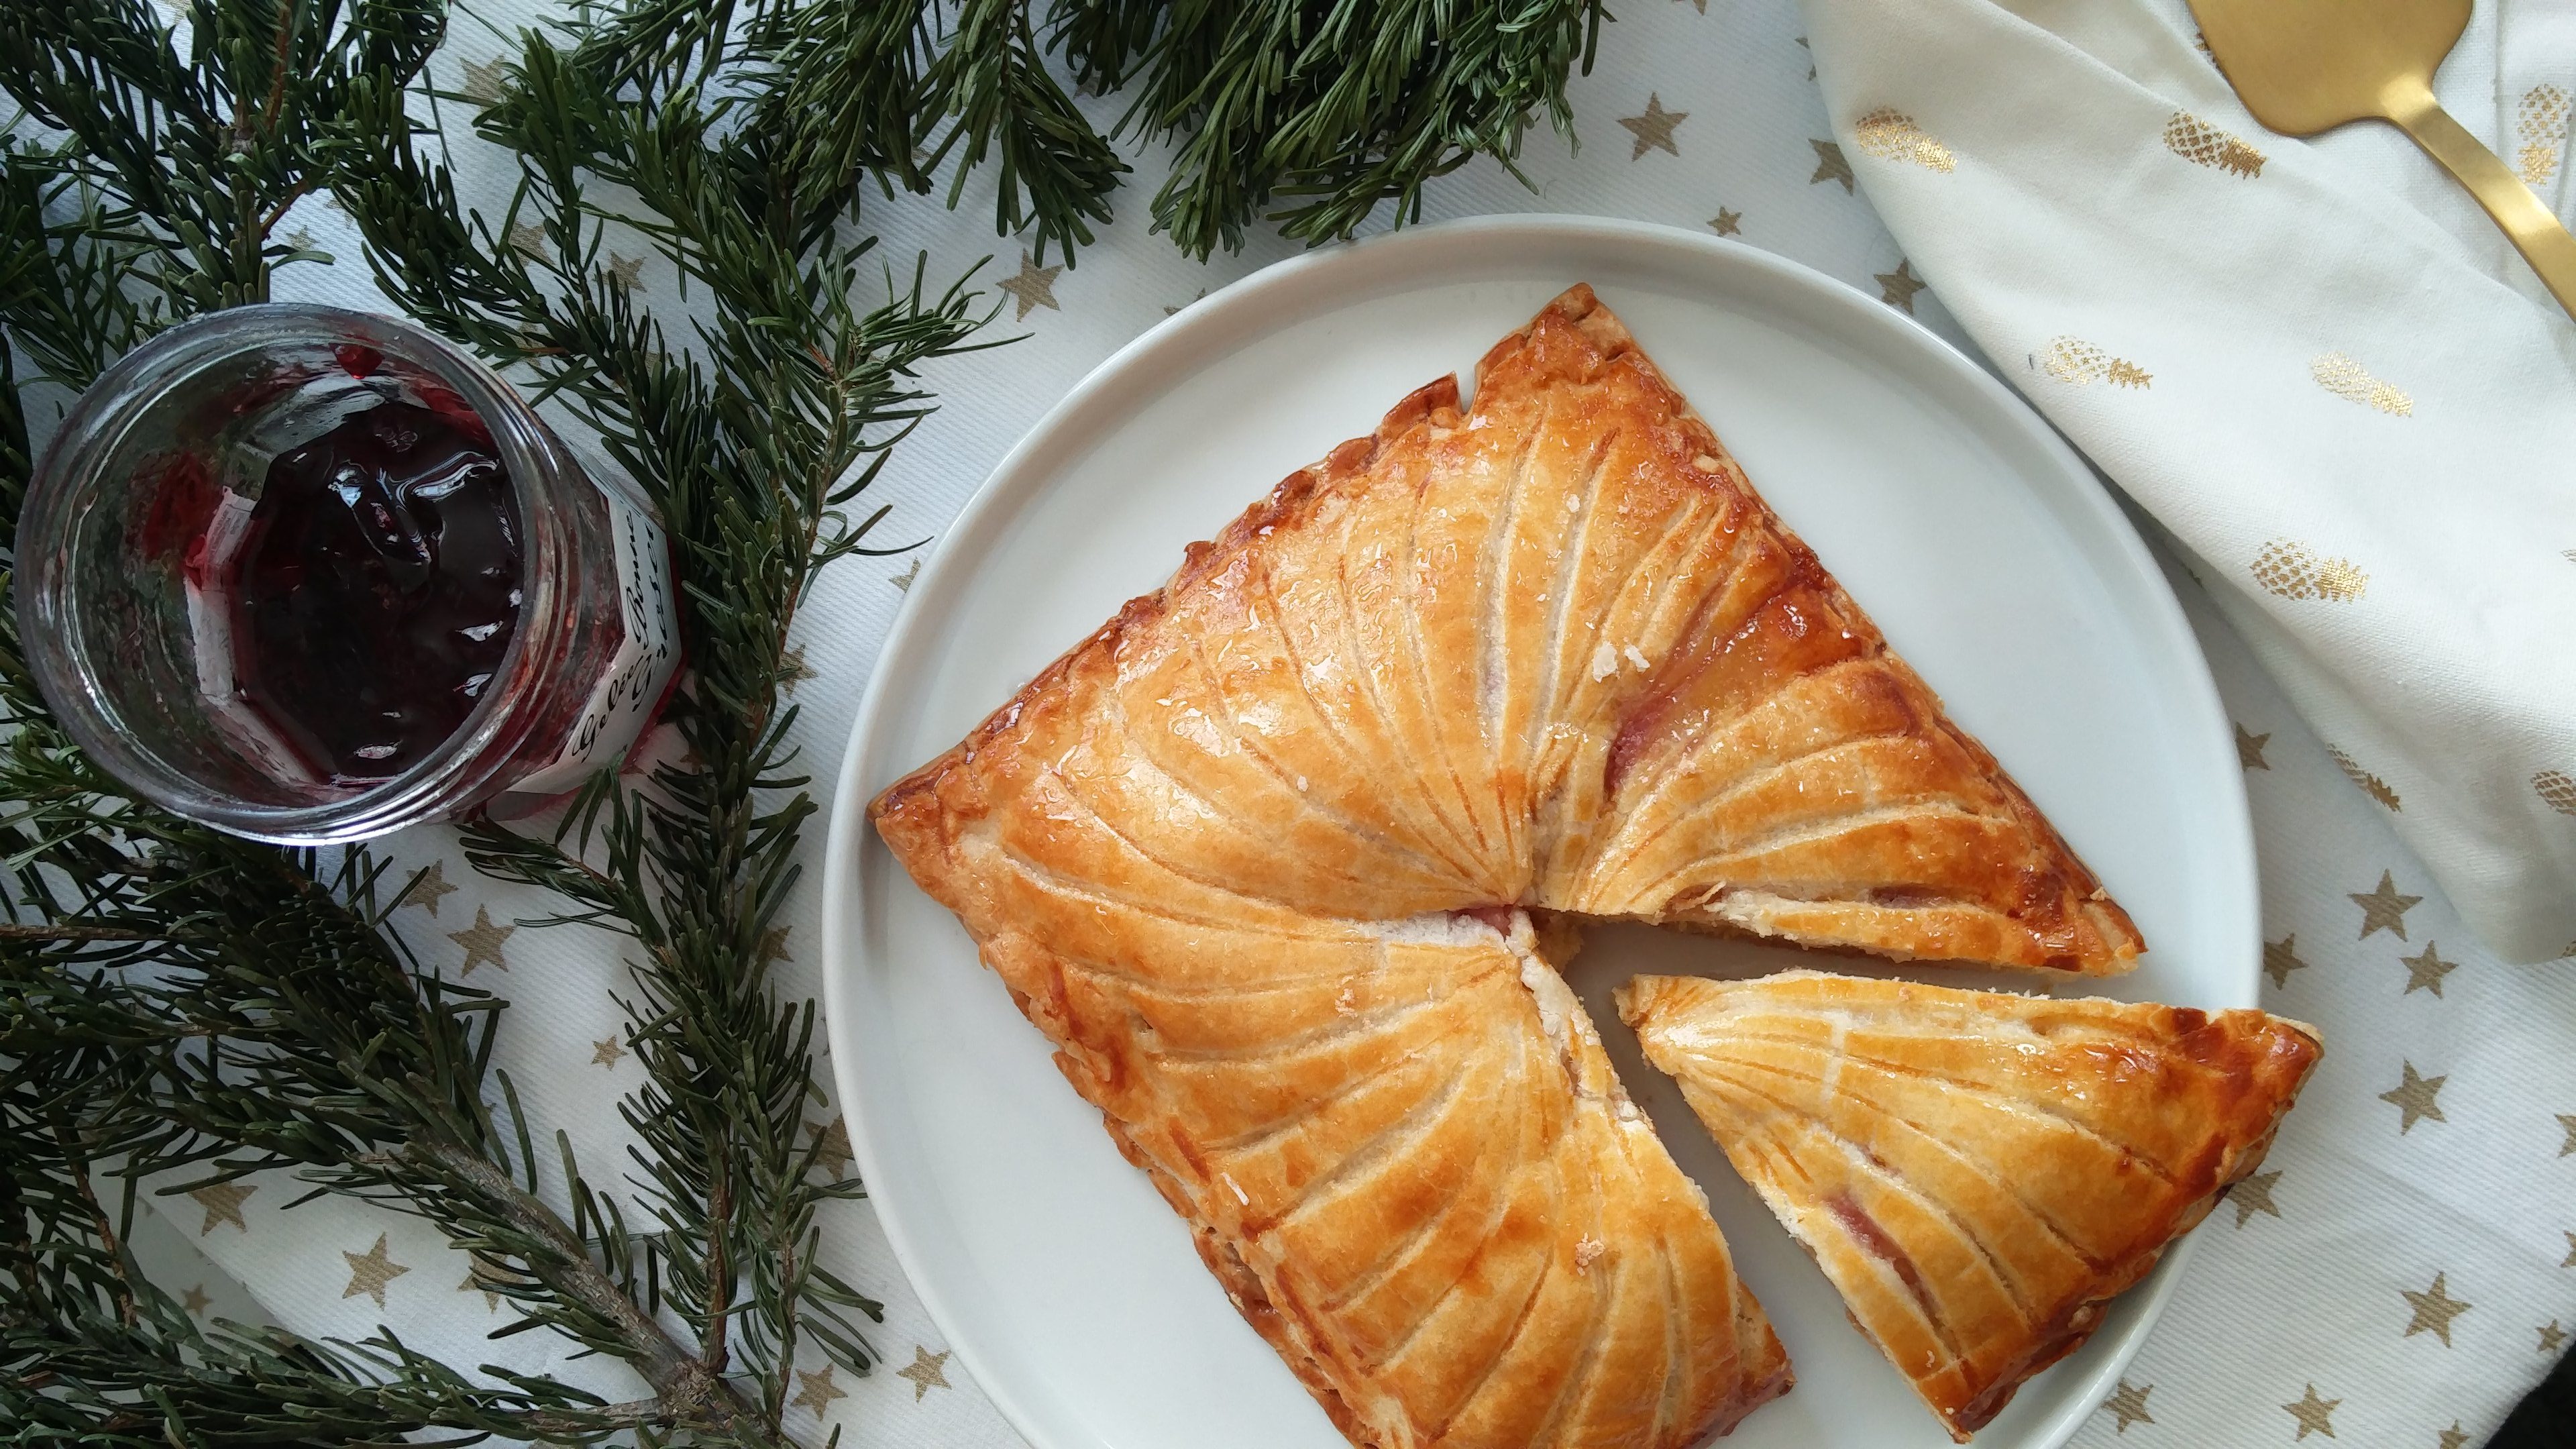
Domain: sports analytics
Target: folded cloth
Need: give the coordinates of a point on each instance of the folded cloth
(2315, 364)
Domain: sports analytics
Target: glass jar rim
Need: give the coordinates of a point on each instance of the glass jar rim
(93, 432)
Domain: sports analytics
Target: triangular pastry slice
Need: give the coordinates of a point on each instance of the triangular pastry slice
(1976, 1172)
(1260, 855)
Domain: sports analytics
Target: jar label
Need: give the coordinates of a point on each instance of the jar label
(630, 690)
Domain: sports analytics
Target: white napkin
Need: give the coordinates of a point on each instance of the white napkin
(2316, 364)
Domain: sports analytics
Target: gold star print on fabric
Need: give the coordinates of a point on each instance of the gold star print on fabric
(1891, 135)
(196, 1301)
(1032, 288)
(792, 669)
(2426, 971)
(1702, 4)
(2453, 1437)
(2130, 1403)
(2290, 569)
(773, 946)
(1811, 51)
(2203, 144)
(2253, 1195)
(1897, 288)
(1727, 223)
(300, 239)
(2383, 909)
(831, 1141)
(925, 1372)
(2565, 1119)
(2352, 382)
(1830, 165)
(2279, 960)
(2249, 749)
(2571, 1239)
(2551, 1335)
(904, 580)
(486, 81)
(223, 1204)
(482, 942)
(605, 1053)
(2414, 1099)
(2314, 1414)
(626, 273)
(427, 889)
(2542, 120)
(815, 1390)
(370, 1271)
(473, 1284)
(1654, 129)
(2556, 789)
(2368, 783)
(530, 239)
(1176, 311)
(2434, 1310)
(2077, 362)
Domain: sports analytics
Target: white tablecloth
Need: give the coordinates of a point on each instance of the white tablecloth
(2397, 1274)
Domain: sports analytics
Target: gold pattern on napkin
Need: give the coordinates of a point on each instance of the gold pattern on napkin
(2288, 568)
(1891, 135)
(2542, 120)
(2558, 788)
(2352, 382)
(2371, 785)
(2074, 360)
(2203, 144)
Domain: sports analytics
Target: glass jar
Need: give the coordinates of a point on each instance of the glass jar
(130, 609)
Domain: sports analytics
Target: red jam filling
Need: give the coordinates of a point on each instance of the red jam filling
(377, 588)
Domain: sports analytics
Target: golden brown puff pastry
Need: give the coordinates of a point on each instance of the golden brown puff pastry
(1258, 857)
(1976, 1172)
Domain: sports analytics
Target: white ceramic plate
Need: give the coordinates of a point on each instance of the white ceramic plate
(1971, 533)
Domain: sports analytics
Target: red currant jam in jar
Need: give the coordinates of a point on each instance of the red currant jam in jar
(378, 588)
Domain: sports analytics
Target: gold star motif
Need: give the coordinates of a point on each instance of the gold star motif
(487, 81)
(793, 670)
(195, 1300)
(2454, 1437)
(2280, 959)
(904, 580)
(1810, 50)
(1654, 129)
(1033, 288)
(1702, 4)
(370, 1271)
(2314, 1414)
(1830, 165)
(816, 1391)
(831, 1143)
(925, 1371)
(427, 889)
(2434, 1310)
(2414, 1098)
(2566, 1120)
(625, 272)
(1727, 223)
(1897, 288)
(2383, 909)
(482, 942)
(223, 1204)
(1176, 311)
(530, 238)
(2130, 1403)
(473, 1284)
(2571, 1244)
(2426, 971)
(2253, 1195)
(605, 1053)
(2551, 1335)
(2249, 749)
(773, 945)
(300, 239)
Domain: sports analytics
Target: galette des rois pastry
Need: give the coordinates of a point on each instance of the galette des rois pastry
(1976, 1172)
(1263, 857)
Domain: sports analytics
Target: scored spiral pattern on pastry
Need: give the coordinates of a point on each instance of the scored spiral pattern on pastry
(1261, 857)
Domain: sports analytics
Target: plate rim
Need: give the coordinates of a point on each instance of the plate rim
(1020, 472)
